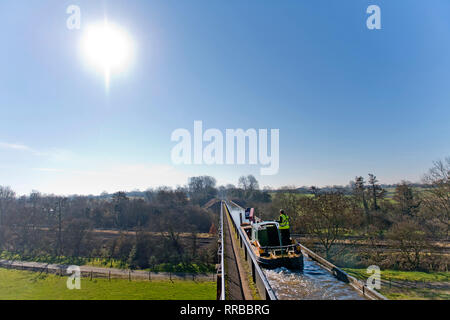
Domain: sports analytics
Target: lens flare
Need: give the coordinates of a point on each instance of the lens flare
(107, 47)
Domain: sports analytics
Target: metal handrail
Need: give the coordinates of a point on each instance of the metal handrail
(221, 252)
(343, 276)
(279, 247)
(257, 269)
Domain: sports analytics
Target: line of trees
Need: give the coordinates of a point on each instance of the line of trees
(247, 191)
(408, 222)
(40, 225)
(400, 231)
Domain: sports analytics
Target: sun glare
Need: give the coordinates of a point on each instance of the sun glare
(107, 47)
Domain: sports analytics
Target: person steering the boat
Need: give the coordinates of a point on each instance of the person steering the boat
(284, 228)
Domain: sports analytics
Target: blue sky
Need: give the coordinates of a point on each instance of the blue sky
(348, 101)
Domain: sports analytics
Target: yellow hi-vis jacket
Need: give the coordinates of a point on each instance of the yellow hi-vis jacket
(284, 221)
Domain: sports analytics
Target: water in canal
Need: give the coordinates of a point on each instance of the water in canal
(313, 283)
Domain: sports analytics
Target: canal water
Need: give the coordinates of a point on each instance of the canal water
(313, 283)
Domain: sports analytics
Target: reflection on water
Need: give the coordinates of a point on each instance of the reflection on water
(313, 283)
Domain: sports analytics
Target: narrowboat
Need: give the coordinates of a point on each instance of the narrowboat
(266, 242)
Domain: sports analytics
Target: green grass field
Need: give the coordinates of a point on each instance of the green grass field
(396, 275)
(416, 294)
(410, 285)
(26, 285)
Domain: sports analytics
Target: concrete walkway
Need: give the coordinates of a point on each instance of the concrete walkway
(237, 287)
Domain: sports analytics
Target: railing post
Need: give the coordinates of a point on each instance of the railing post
(253, 273)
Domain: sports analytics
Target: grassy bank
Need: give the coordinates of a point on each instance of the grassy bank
(107, 263)
(410, 285)
(26, 285)
(396, 275)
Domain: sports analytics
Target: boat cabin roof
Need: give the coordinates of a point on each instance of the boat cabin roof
(264, 224)
(266, 233)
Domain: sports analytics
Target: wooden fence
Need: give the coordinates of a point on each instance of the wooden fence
(106, 273)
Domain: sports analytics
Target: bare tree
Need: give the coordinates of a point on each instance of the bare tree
(60, 206)
(329, 216)
(291, 204)
(359, 191)
(6, 197)
(437, 198)
(410, 238)
(376, 192)
(407, 199)
(201, 189)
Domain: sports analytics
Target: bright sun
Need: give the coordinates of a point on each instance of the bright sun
(107, 47)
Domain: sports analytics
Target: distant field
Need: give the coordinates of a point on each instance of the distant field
(390, 192)
(299, 195)
(26, 285)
